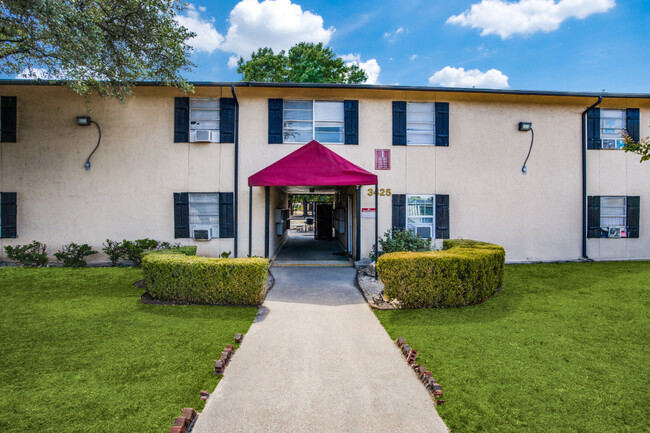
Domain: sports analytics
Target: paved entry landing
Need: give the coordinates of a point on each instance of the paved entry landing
(317, 360)
(305, 250)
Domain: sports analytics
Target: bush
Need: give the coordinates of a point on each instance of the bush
(29, 255)
(74, 255)
(465, 272)
(177, 277)
(113, 250)
(400, 240)
(133, 250)
(187, 250)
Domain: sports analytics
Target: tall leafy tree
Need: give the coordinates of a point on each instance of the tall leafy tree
(304, 63)
(101, 46)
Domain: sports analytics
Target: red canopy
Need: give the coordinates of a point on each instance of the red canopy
(312, 165)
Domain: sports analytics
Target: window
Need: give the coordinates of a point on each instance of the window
(420, 214)
(204, 120)
(304, 121)
(613, 217)
(420, 123)
(204, 215)
(612, 126)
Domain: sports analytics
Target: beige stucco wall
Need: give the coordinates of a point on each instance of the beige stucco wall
(128, 192)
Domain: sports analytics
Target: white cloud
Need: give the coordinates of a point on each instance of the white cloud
(278, 24)
(36, 73)
(207, 38)
(413, 57)
(370, 67)
(505, 18)
(393, 36)
(459, 77)
(232, 62)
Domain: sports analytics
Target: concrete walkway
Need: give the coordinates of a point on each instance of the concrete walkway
(305, 250)
(318, 360)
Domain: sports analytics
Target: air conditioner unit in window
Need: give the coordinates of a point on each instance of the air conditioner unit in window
(608, 143)
(423, 232)
(615, 231)
(201, 235)
(204, 135)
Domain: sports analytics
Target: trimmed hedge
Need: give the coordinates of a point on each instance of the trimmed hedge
(203, 280)
(464, 272)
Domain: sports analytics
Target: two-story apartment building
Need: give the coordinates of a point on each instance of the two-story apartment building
(444, 162)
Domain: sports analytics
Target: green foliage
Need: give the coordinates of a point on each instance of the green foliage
(400, 240)
(641, 147)
(464, 273)
(174, 277)
(101, 46)
(226, 254)
(80, 339)
(74, 255)
(186, 250)
(543, 354)
(305, 62)
(132, 250)
(30, 255)
(113, 249)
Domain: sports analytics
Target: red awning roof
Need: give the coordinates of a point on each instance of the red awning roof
(312, 165)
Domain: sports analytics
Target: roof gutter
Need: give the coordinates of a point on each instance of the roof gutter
(236, 194)
(584, 177)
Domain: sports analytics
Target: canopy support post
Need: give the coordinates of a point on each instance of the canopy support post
(358, 252)
(376, 228)
(267, 200)
(250, 221)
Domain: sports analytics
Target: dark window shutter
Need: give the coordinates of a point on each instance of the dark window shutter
(8, 215)
(442, 124)
(593, 216)
(181, 215)
(593, 129)
(227, 120)
(399, 211)
(632, 124)
(8, 119)
(351, 122)
(275, 121)
(399, 123)
(226, 215)
(442, 216)
(633, 216)
(181, 120)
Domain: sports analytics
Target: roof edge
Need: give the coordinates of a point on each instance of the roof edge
(38, 82)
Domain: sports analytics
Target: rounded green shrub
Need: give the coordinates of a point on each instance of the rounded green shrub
(464, 272)
(203, 280)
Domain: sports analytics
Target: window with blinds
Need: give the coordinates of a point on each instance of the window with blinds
(204, 215)
(612, 126)
(204, 120)
(322, 121)
(613, 216)
(420, 123)
(420, 214)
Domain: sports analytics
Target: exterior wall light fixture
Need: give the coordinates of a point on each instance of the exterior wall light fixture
(527, 126)
(86, 121)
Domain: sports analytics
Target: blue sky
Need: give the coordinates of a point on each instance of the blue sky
(573, 45)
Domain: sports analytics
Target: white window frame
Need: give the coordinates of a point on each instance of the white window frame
(614, 139)
(410, 106)
(603, 215)
(313, 120)
(214, 132)
(413, 226)
(213, 229)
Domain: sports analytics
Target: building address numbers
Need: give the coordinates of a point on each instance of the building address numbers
(384, 192)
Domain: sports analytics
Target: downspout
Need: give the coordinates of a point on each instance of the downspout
(584, 178)
(236, 195)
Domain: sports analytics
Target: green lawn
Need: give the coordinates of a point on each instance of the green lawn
(81, 353)
(563, 348)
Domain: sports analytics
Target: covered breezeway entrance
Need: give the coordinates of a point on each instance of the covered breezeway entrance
(327, 233)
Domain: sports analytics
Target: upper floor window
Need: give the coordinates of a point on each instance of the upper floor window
(612, 127)
(204, 119)
(420, 123)
(322, 121)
